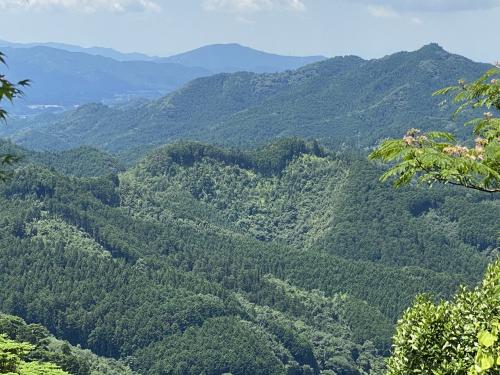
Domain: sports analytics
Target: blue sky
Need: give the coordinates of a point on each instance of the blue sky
(368, 28)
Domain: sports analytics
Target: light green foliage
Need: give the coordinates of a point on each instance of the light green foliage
(44, 352)
(57, 233)
(284, 205)
(456, 337)
(322, 326)
(12, 360)
(435, 156)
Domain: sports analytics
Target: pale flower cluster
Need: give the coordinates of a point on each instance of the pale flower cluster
(456, 150)
(414, 138)
(477, 153)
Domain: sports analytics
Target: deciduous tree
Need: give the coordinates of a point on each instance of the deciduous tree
(8, 91)
(461, 336)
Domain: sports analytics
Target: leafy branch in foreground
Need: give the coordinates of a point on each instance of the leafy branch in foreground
(8, 91)
(13, 355)
(437, 157)
(457, 337)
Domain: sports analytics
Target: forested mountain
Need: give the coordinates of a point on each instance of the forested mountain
(203, 259)
(80, 162)
(230, 58)
(65, 75)
(62, 78)
(344, 100)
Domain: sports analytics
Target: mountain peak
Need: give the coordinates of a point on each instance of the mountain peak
(433, 48)
(224, 45)
(233, 57)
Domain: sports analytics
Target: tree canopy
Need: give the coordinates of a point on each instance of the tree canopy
(438, 157)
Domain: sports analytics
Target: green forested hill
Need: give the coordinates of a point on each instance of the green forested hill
(284, 260)
(344, 100)
(83, 161)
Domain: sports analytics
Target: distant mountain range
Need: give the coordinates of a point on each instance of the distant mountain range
(230, 58)
(62, 78)
(97, 51)
(217, 58)
(64, 75)
(344, 100)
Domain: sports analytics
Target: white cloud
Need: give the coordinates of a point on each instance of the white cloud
(245, 20)
(382, 11)
(430, 5)
(417, 20)
(248, 6)
(119, 6)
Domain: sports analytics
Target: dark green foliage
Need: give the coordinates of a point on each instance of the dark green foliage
(268, 160)
(222, 345)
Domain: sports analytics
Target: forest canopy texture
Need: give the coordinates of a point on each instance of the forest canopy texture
(288, 258)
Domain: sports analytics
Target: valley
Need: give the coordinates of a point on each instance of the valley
(198, 250)
(230, 211)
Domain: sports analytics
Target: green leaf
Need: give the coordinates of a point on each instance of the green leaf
(486, 339)
(484, 361)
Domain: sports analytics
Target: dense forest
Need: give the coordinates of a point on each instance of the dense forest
(201, 259)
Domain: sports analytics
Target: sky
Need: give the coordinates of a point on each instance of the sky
(367, 28)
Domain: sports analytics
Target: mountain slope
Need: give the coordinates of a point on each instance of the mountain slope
(220, 260)
(64, 75)
(62, 78)
(228, 58)
(344, 100)
(80, 162)
(98, 51)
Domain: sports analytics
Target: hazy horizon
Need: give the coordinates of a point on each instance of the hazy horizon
(366, 28)
(28, 43)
